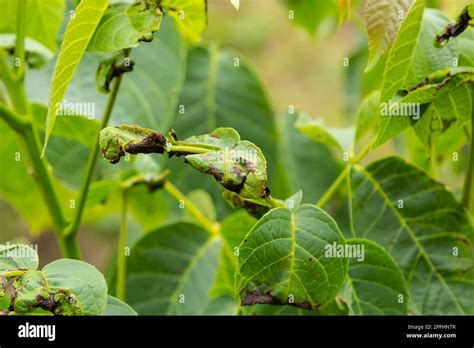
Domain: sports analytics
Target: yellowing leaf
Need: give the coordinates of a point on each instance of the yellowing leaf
(79, 32)
(190, 17)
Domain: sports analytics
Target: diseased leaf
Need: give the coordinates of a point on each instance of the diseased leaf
(189, 15)
(427, 58)
(427, 232)
(382, 22)
(84, 280)
(465, 19)
(397, 67)
(376, 284)
(236, 164)
(284, 259)
(124, 26)
(78, 34)
(173, 270)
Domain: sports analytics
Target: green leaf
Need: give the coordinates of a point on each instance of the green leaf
(382, 21)
(367, 115)
(189, 15)
(340, 138)
(397, 68)
(299, 158)
(124, 26)
(402, 52)
(117, 307)
(233, 230)
(17, 257)
(78, 128)
(42, 20)
(217, 93)
(427, 232)
(148, 96)
(78, 33)
(377, 286)
(283, 259)
(172, 270)
(310, 14)
(428, 58)
(83, 279)
(201, 199)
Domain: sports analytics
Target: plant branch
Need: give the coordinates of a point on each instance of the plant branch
(340, 179)
(122, 243)
(73, 228)
(210, 226)
(14, 88)
(468, 189)
(20, 39)
(15, 121)
(45, 184)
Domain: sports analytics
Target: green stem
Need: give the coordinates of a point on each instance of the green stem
(210, 226)
(274, 202)
(43, 178)
(73, 228)
(20, 39)
(468, 190)
(122, 243)
(15, 121)
(340, 179)
(188, 149)
(15, 89)
(433, 158)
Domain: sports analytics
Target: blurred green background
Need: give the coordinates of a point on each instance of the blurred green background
(297, 69)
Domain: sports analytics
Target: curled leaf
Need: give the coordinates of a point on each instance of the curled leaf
(110, 68)
(116, 141)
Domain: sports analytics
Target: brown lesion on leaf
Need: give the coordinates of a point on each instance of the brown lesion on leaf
(258, 297)
(453, 29)
(152, 143)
